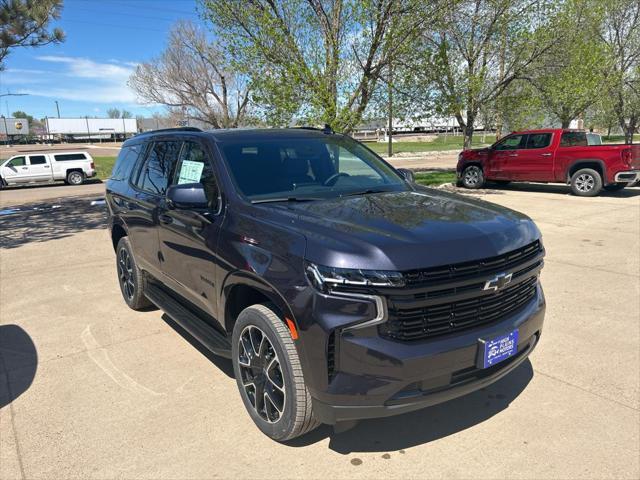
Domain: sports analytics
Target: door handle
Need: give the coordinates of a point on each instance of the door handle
(47, 166)
(25, 168)
(545, 154)
(166, 219)
(513, 154)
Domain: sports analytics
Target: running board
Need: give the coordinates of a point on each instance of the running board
(205, 334)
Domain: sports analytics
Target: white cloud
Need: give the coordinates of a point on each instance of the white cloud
(85, 80)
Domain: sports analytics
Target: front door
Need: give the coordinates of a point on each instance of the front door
(39, 168)
(504, 156)
(16, 170)
(534, 163)
(142, 209)
(188, 238)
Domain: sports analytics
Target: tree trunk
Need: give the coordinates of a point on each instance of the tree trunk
(467, 130)
(565, 123)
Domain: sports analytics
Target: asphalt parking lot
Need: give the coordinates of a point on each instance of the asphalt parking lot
(91, 389)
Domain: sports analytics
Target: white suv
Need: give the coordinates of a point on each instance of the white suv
(72, 167)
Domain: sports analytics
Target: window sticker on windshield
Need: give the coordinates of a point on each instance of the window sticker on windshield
(190, 172)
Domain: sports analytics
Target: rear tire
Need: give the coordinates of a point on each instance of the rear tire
(269, 376)
(130, 277)
(586, 182)
(75, 178)
(615, 187)
(472, 177)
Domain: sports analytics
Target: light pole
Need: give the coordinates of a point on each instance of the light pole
(58, 108)
(6, 130)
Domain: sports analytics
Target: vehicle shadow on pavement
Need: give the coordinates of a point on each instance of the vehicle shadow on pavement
(555, 188)
(423, 426)
(18, 363)
(41, 222)
(88, 181)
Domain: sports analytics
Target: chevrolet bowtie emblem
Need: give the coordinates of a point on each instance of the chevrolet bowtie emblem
(498, 282)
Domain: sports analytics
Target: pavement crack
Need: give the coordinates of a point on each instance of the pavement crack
(630, 407)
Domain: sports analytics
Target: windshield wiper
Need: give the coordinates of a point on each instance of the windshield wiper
(285, 199)
(364, 192)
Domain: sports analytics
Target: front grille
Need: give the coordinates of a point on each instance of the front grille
(452, 298)
(461, 271)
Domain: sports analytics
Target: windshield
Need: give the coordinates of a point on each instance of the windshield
(307, 168)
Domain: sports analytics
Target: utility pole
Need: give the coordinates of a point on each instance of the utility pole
(58, 108)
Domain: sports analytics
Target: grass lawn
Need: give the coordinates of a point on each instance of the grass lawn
(434, 178)
(618, 138)
(104, 165)
(443, 142)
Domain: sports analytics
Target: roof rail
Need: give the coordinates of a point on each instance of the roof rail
(176, 129)
(326, 129)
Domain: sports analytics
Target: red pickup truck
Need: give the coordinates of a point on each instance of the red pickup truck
(554, 155)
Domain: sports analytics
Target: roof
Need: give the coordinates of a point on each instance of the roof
(235, 134)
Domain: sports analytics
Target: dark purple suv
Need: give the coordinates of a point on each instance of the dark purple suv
(339, 288)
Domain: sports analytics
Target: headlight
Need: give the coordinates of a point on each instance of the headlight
(324, 278)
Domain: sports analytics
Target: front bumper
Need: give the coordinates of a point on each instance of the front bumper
(628, 176)
(378, 377)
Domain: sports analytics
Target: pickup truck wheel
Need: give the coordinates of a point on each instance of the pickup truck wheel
(75, 178)
(586, 182)
(269, 375)
(130, 277)
(472, 177)
(614, 187)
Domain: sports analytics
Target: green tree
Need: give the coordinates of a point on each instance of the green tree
(477, 48)
(315, 61)
(125, 114)
(113, 113)
(21, 114)
(572, 76)
(620, 32)
(25, 23)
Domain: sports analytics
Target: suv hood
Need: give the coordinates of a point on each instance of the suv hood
(404, 230)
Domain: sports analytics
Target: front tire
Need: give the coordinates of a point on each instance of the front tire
(269, 376)
(130, 277)
(586, 182)
(472, 177)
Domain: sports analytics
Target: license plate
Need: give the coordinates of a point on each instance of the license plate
(500, 348)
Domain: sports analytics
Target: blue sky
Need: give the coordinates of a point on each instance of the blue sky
(87, 74)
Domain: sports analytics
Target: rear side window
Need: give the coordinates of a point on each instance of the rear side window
(154, 176)
(539, 140)
(573, 139)
(512, 142)
(37, 160)
(65, 157)
(125, 162)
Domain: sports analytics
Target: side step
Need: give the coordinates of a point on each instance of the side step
(205, 334)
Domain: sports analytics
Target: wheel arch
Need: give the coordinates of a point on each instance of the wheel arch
(593, 163)
(118, 230)
(241, 290)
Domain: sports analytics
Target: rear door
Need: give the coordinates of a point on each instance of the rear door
(503, 155)
(40, 168)
(149, 187)
(534, 162)
(189, 238)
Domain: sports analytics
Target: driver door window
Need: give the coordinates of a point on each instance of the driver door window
(512, 142)
(194, 167)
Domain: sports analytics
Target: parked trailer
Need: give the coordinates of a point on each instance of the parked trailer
(90, 128)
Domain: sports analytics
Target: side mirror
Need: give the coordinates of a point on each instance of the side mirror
(407, 174)
(187, 195)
